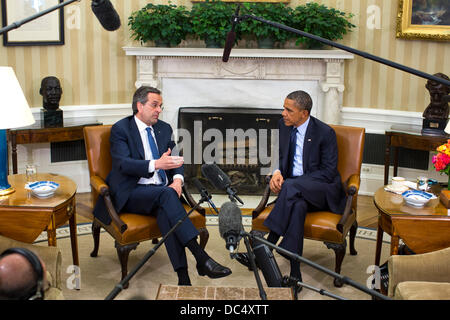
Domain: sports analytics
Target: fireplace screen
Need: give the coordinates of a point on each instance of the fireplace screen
(243, 142)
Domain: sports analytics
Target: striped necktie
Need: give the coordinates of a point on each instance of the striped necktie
(155, 153)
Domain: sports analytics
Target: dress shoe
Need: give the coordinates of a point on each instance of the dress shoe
(242, 258)
(212, 269)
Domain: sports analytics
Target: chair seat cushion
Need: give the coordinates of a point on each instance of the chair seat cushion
(320, 225)
(422, 290)
(142, 228)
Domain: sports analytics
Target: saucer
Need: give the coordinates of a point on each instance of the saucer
(43, 189)
(399, 190)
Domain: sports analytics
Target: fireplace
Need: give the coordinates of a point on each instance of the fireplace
(204, 97)
(243, 142)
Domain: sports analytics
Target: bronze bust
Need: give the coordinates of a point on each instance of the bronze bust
(435, 116)
(438, 107)
(51, 92)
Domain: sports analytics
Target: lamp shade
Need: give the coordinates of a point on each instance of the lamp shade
(14, 109)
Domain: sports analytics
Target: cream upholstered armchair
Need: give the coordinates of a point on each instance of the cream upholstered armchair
(52, 259)
(423, 276)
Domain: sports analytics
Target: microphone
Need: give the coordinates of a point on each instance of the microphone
(230, 229)
(106, 14)
(266, 262)
(219, 179)
(230, 225)
(204, 193)
(231, 35)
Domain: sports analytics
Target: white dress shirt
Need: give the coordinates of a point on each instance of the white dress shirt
(156, 179)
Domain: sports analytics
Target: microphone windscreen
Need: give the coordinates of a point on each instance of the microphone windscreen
(216, 176)
(106, 14)
(230, 219)
(231, 37)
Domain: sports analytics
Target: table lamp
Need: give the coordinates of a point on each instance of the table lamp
(14, 113)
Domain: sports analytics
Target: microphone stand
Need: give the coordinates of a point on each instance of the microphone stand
(119, 287)
(252, 259)
(19, 23)
(345, 48)
(290, 281)
(298, 258)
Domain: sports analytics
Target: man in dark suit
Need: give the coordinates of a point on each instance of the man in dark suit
(307, 178)
(146, 179)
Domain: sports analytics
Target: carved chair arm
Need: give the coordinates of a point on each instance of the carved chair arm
(265, 197)
(103, 189)
(352, 188)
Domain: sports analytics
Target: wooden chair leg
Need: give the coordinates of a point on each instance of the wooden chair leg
(123, 252)
(204, 236)
(339, 250)
(96, 235)
(353, 230)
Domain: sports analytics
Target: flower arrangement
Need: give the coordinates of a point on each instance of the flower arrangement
(441, 160)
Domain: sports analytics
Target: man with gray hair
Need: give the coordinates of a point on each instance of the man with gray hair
(146, 178)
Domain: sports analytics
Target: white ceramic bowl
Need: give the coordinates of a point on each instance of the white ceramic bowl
(416, 198)
(43, 189)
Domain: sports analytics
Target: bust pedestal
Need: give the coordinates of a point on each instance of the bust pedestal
(52, 118)
(434, 127)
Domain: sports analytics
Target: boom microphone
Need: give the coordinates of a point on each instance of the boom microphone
(231, 36)
(230, 225)
(106, 14)
(204, 193)
(219, 179)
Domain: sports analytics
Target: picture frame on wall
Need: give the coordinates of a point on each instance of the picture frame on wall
(45, 30)
(424, 19)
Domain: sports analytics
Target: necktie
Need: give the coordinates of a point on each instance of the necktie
(292, 147)
(155, 153)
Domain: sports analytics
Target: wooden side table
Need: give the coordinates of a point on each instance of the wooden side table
(24, 216)
(72, 131)
(422, 229)
(409, 141)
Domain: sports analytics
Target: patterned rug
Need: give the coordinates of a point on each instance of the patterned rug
(85, 229)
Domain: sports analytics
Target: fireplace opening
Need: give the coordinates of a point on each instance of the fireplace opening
(243, 142)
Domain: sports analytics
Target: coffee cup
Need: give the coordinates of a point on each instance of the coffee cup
(398, 183)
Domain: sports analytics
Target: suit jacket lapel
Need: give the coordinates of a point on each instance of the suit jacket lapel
(136, 136)
(308, 143)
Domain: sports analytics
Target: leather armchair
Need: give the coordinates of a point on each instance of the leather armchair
(128, 229)
(423, 276)
(52, 259)
(329, 227)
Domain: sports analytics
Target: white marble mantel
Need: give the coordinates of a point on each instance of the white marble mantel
(251, 77)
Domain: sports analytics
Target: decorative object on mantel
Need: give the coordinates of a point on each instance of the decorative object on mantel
(266, 35)
(51, 91)
(15, 113)
(436, 114)
(328, 23)
(211, 22)
(165, 24)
